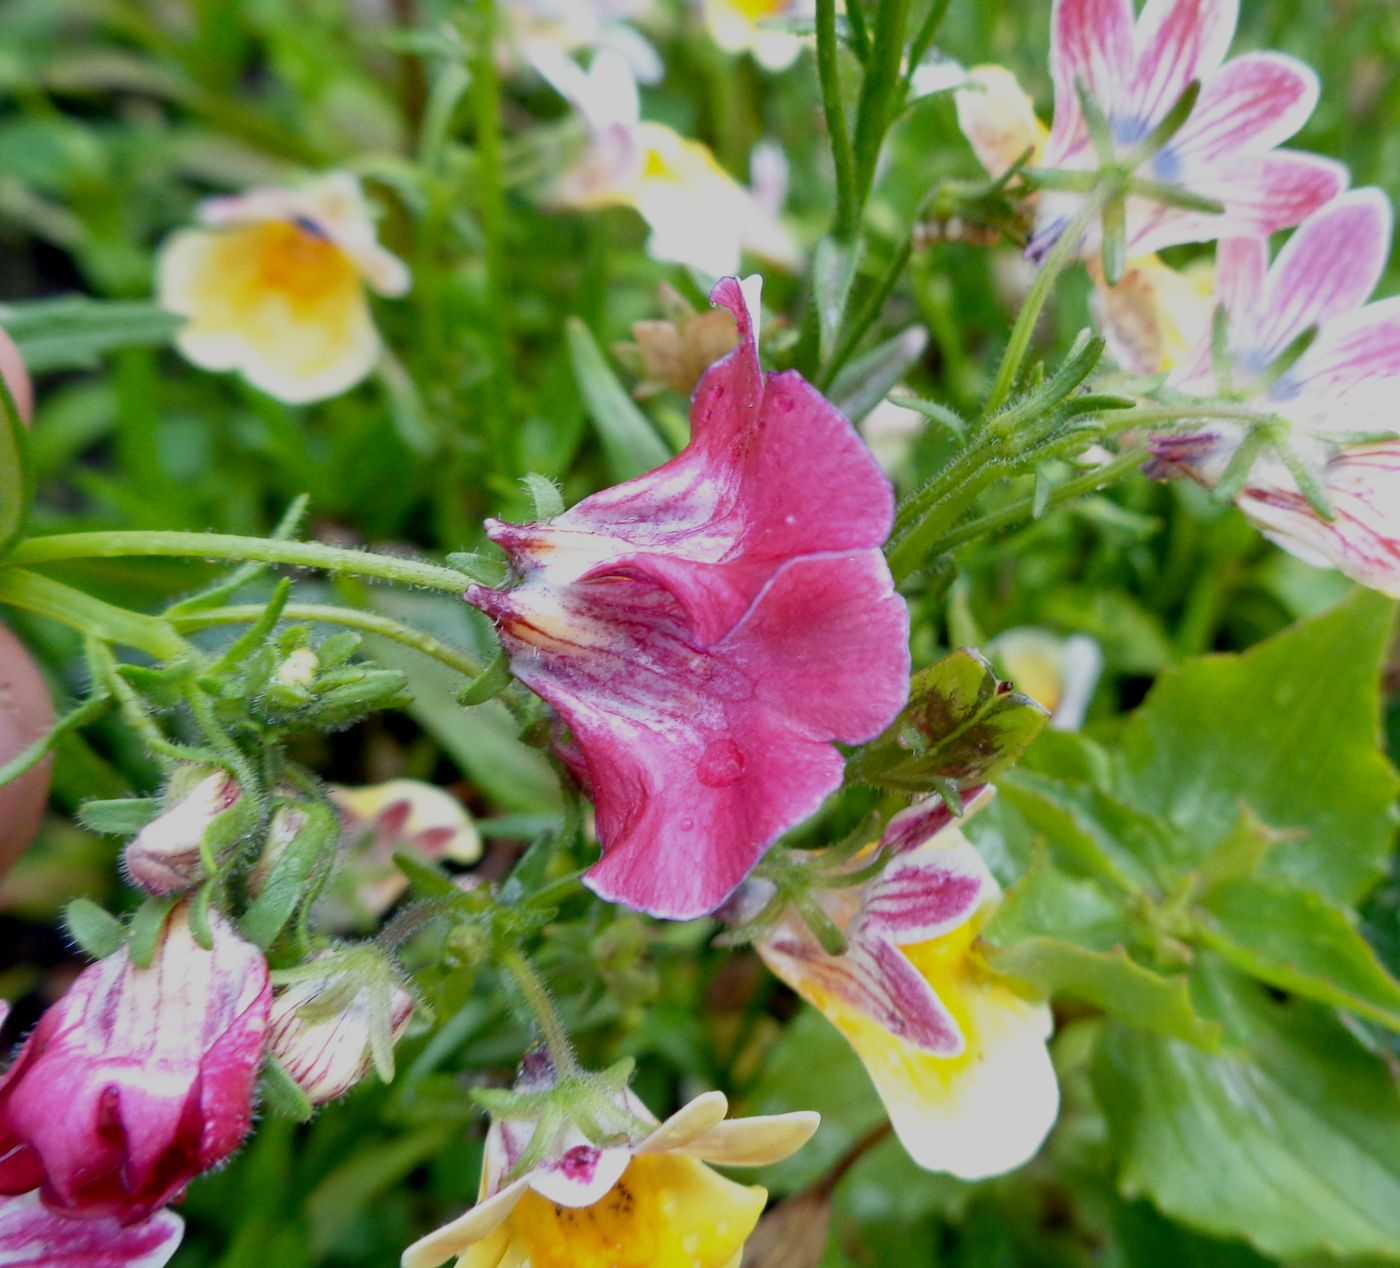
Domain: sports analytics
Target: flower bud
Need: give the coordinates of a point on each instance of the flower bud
(341, 1015)
(298, 669)
(165, 856)
(26, 713)
(138, 1079)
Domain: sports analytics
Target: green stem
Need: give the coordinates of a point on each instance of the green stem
(354, 618)
(1090, 482)
(89, 711)
(79, 611)
(879, 94)
(134, 543)
(1060, 255)
(829, 73)
(923, 41)
(537, 998)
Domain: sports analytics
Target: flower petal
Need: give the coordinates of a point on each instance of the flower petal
(32, 1236)
(923, 897)
(1360, 348)
(1256, 102)
(1178, 41)
(1328, 268)
(998, 118)
(694, 1119)
(1091, 42)
(581, 1175)
(920, 822)
(757, 1141)
(473, 1225)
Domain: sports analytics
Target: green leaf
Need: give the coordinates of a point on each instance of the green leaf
(73, 334)
(962, 725)
(1291, 1140)
(1289, 729)
(833, 271)
(867, 380)
(630, 442)
(93, 928)
(281, 1093)
(488, 684)
(1298, 942)
(16, 477)
(544, 495)
(287, 880)
(147, 924)
(1067, 937)
(123, 817)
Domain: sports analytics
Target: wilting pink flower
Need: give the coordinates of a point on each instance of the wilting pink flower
(32, 1236)
(137, 1079)
(165, 856)
(958, 1058)
(708, 629)
(648, 1189)
(1337, 399)
(1227, 149)
(329, 1026)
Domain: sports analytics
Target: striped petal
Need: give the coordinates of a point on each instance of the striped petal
(1256, 102)
(923, 897)
(32, 1236)
(1178, 41)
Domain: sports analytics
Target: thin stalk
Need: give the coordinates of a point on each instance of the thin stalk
(924, 38)
(1060, 255)
(1089, 482)
(151, 544)
(541, 1004)
(93, 617)
(879, 94)
(353, 618)
(829, 74)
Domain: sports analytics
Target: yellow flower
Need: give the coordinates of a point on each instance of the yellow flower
(1059, 673)
(1157, 315)
(737, 26)
(698, 214)
(650, 1203)
(273, 287)
(958, 1058)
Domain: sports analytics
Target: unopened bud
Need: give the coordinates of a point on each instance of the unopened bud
(287, 823)
(166, 855)
(298, 669)
(329, 1027)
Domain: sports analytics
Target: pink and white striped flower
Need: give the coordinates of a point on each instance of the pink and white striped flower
(650, 1192)
(32, 1236)
(708, 629)
(1227, 149)
(1337, 400)
(958, 1058)
(138, 1079)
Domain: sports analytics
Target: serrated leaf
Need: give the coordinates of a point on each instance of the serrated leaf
(123, 817)
(1289, 729)
(1298, 942)
(962, 724)
(73, 334)
(1290, 1139)
(630, 443)
(93, 928)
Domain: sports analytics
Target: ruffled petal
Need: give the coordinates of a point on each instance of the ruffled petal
(1256, 102)
(32, 1236)
(1177, 41)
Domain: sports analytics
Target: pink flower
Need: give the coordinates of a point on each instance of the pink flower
(1226, 151)
(1337, 401)
(708, 629)
(32, 1236)
(137, 1079)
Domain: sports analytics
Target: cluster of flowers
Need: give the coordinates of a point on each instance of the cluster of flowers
(1285, 369)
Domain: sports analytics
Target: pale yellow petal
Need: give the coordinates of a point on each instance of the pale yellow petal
(692, 1120)
(473, 1226)
(998, 118)
(757, 1141)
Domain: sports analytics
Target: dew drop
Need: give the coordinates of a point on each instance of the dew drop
(721, 765)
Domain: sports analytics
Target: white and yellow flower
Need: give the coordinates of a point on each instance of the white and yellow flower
(537, 30)
(1059, 673)
(699, 215)
(738, 26)
(1156, 315)
(274, 287)
(649, 1201)
(958, 1057)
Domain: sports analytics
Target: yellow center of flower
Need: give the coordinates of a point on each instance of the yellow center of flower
(760, 10)
(667, 1211)
(298, 263)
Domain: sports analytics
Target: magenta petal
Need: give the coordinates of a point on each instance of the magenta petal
(1329, 267)
(1256, 102)
(1091, 42)
(917, 899)
(1178, 41)
(32, 1236)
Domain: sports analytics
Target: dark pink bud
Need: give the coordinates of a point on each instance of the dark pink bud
(137, 1080)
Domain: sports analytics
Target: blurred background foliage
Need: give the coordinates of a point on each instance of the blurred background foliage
(118, 116)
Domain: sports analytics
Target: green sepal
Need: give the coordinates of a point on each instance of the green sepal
(280, 1093)
(145, 929)
(122, 817)
(93, 928)
(489, 683)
